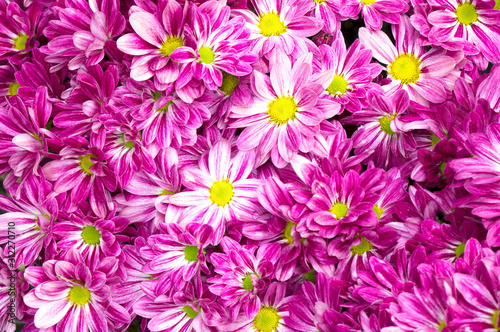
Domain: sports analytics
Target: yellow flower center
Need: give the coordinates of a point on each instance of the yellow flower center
(206, 55)
(20, 42)
(191, 253)
(405, 68)
(166, 192)
(338, 85)
(79, 295)
(91, 235)
(378, 210)
(85, 164)
(287, 232)
(466, 13)
(497, 5)
(13, 88)
(385, 124)
(361, 248)
(282, 109)
(339, 210)
(271, 25)
(266, 320)
(367, 2)
(221, 192)
(319, 2)
(494, 320)
(441, 325)
(229, 83)
(170, 45)
(190, 312)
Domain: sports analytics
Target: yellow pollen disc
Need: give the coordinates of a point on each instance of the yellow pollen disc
(338, 85)
(466, 13)
(85, 164)
(170, 45)
(91, 235)
(497, 5)
(361, 248)
(13, 88)
(385, 124)
(378, 210)
(339, 210)
(20, 42)
(282, 109)
(405, 68)
(206, 55)
(266, 320)
(494, 320)
(79, 295)
(319, 2)
(287, 232)
(166, 192)
(229, 83)
(271, 25)
(367, 2)
(221, 192)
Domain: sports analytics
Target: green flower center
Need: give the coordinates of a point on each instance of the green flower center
(128, 144)
(378, 210)
(20, 42)
(441, 168)
(287, 232)
(165, 107)
(367, 2)
(361, 248)
(385, 124)
(85, 164)
(466, 13)
(282, 109)
(271, 25)
(191, 253)
(497, 5)
(170, 45)
(434, 140)
(221, 192)
(494, 320)
(229, 83)
(339, 210)
(247, 282)
(338, 85)
(91, 235)
(441, 326)
(190, 312)
(266, 320)
(13, 88)
(460, 249)
(79, 295)
(206, 55)
(405, 68)
(311, 276)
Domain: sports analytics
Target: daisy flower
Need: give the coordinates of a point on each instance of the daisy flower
(374, 12)
(280, 25)
(68, 294)
(352, 74)
(214, 45)
(154, 39)
(219, 189)
(283, 119)
(427, 75)
(179, 252)
(474, 24)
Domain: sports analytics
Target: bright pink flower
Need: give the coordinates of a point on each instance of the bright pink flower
(374, 12)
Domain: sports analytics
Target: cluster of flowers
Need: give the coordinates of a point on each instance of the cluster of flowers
(235, 166)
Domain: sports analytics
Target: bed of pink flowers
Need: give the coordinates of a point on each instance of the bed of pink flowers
(260, 165)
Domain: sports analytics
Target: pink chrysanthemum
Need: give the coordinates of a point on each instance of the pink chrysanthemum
(280, 25)
(283, 119)
(219, 190)
(427, 75)
(374, 12)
